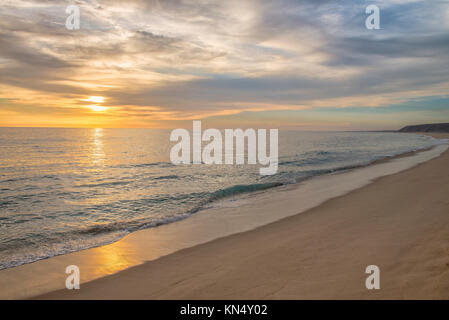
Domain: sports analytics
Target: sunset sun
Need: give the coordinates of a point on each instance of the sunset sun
(96, 99)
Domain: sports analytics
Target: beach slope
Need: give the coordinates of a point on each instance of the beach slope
(399, 223)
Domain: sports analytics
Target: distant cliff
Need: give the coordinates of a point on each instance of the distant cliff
(435, 127)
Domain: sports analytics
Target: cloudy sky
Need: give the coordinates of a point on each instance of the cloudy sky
(308, 64)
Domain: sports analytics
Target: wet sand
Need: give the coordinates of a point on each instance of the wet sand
(400, 223)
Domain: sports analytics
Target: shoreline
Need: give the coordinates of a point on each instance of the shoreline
(320, 253)
(205, 204)
(309, 255)
(398, 222)
(274, 187)
(131, 264)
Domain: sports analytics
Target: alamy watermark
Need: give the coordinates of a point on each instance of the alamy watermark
(212, 153)
(73, 280)
(373, 20)
(373, 280)
(73, 21)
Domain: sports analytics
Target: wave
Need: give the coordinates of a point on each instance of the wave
(238, 189)
(153, 164)
(167, 177)
(102, 234)
(103, 184)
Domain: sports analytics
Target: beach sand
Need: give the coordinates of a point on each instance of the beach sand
(399, 223)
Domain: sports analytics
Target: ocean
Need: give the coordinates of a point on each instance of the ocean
(64, 190)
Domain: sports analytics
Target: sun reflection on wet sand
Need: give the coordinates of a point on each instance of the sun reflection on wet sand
(112, 258)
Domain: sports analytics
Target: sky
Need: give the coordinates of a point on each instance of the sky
(306, 65)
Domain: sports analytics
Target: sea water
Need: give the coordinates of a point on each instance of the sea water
(64, 190)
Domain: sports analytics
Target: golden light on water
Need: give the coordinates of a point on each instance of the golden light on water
(98, 154)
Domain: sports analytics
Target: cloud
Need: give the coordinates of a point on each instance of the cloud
(174, 59)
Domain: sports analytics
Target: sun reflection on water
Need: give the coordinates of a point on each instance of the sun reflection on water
(98, 155)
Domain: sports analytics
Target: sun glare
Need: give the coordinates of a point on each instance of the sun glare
(98, 108)
(96, 99)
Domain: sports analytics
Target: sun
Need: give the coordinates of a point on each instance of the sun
(96, 99)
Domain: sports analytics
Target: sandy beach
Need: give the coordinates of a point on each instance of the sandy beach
(399, 222)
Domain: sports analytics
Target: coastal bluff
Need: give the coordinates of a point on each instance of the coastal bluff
(435, 127)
